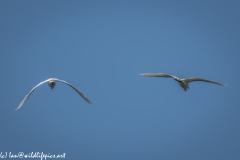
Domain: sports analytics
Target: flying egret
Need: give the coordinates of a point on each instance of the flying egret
(182, 82)
(52, 82)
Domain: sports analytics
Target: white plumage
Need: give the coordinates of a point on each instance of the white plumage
(52, 83)
(182, 82)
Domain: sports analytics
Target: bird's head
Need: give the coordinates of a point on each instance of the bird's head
(51, 84)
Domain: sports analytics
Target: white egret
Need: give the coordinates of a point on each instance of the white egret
(52, 82)
(182, 82)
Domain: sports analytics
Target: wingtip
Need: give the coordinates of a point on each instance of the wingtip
(18, 107)
(144, 74)
(89, 102)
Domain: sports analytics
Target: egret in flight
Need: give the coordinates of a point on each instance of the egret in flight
(52, 82)
(182, 82)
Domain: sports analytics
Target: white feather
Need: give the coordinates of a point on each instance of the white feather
(56, 80)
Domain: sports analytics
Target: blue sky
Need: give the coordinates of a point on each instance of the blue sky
(100, 48)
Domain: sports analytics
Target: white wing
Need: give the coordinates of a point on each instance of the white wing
(79, 92)
(204, 80)
(27, 96)
(158, 75)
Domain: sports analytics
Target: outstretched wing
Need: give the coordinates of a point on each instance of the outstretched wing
(204, 80)
(79, 92)
(158, 75)
(27, 96)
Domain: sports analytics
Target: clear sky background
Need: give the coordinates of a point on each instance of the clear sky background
(101, 47)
